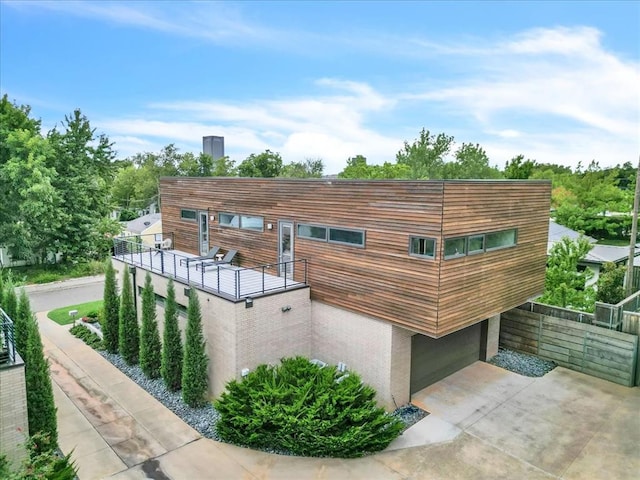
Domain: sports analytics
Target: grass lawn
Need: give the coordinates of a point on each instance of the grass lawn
(51, 273)
(619, 242)
(61, 315)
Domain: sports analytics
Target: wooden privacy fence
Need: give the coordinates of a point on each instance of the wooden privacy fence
(593, 350)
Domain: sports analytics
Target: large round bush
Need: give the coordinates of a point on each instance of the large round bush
(304, 409)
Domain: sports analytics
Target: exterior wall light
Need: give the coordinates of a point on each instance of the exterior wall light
(286, 308)
(248, 302)
(187, 291)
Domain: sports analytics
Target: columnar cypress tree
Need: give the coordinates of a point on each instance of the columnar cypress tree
(111, 307)
(21, 324)
(10, 305)
(172, 343)
(128, 331)
(41, 407)
(194, 370)
(150, 353)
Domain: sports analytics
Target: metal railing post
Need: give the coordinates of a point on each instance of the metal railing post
(237, 275)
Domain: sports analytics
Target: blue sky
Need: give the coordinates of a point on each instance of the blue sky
(558, 82)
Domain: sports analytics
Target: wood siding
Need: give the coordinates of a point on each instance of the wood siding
(430, 296)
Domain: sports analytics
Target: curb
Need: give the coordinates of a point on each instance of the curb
(63, 284)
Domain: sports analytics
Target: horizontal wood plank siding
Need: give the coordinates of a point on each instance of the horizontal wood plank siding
(478, 286)
(581, 347)
(380, 280)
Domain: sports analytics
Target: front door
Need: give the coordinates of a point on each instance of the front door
(285, 249)
(203, 235)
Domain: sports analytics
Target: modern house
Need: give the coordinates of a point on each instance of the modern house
(401, 281)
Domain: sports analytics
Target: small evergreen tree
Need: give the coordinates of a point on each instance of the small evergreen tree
(611, 284)
(10, 300)
(128, 331)
(172, 343)
(111, 307)
(150, 353)
(21, 324)
(41, 408)
(194, 370)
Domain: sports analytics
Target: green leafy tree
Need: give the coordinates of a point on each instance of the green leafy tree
(565, 284)
(309, 168)
(128, 331)
(611, 284)
(518, 168)
(41, 408)
(426, 155)
(21, 321)
(357, 168)
(267, 164)
(150, 347)
(224, 167)
(111, 310)
(304, 409)
(471, 161)
(171, 367)
(194, 370)
(83, 163)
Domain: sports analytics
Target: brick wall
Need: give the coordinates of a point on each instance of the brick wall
(377, 350)
(14, 425)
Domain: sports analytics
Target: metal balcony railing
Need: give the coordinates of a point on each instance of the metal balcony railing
(226, 280)
(7, 340)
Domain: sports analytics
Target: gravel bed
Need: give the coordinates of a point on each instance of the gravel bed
(410, 414)
(522, 363)
(203, 419)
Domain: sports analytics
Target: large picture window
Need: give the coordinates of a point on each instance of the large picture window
(313, 232)
(502, 239)
(422, 247)
(245, 222)
(345, 236)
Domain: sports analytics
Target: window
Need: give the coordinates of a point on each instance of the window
(475, 244)
(423, 247)
(229, 220)
(312, 231)
(188, 214)
(505, 238)
(343, 235)
(252, 223)
(455, 247)
(245, 222)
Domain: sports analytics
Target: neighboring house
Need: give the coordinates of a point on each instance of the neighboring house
(597, 256)
(402, 281)
(148, 227)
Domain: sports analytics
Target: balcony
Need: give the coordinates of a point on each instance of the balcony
(7, 341)
(228, 281)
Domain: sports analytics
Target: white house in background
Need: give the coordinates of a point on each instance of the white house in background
(148, 227)
(597, 256)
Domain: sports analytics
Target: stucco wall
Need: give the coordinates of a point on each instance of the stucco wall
(14, 425)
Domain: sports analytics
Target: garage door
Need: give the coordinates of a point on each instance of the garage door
(433, 359)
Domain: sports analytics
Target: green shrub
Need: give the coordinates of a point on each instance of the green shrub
(45, 277)
(87, 336)
(41, 463)
(92, 314)
(304, 409)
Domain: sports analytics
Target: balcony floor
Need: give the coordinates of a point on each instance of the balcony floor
(228, 281)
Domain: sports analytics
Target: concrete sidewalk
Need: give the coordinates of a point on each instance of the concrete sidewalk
(485, 423)
(63, 284)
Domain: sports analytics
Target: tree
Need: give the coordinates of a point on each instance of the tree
(83, 163)
(518, 168)
(611, 284)
(194, 370)
(224, 167)
(357, 168)
(111, 310)
(23, 316)
(171, 367)
(41, 408)
(309, 168)
(425, 156)
(150, 348)
(128, 331)
(267, 164)
(471, 161)
(10, 300)
(565, 285)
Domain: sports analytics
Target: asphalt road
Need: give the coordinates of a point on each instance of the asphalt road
(61, 294)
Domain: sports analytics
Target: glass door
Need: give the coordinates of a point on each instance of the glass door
(203, 234)
(285, 249)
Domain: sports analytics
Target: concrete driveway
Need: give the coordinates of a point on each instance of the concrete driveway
(485, 423)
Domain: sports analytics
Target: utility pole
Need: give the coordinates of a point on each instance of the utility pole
(634, 234)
